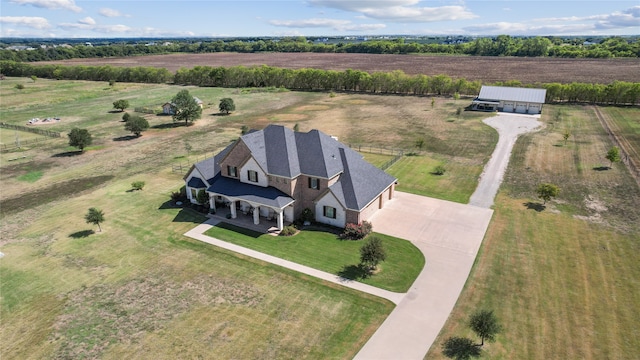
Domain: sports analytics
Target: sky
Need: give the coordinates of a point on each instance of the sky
(245, 18)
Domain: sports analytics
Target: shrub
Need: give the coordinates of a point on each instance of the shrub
(439, 170)
(137, 185)
(126, 117)
(307, 215)
(288, 231)
(19, 86)
(176, 196)
(356, 231)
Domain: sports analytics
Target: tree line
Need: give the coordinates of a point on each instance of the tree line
(394, 82)
(502, 45)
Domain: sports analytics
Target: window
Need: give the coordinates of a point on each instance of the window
(253, 175)
(314, 183)
(232, 171)
(194, 194)
(329, 212)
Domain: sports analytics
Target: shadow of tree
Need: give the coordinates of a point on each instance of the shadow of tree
(354, 272)
(67, 154)
(81, 234)
(601, 168)
(168, 125)
(125, 138)
(535, 206)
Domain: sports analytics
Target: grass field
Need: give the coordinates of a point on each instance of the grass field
(563, 281)
(323, 250)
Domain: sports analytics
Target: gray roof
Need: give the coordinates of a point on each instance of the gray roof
(211, 166)
(360, 183)
(512, 94)
(268, 196)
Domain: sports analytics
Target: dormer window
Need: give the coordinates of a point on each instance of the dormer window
(232, 171)
(252, 175)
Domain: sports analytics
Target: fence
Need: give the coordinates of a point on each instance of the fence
(13, 146)
(49, 133)
(182, 168)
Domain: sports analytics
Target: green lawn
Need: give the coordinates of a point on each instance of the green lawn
(324, 251)
(415, 176)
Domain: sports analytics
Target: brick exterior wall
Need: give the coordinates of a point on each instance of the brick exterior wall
(236, 157)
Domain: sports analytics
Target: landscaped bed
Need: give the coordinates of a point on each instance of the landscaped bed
(323, 250)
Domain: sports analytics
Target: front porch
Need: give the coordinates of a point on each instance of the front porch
(265, 224)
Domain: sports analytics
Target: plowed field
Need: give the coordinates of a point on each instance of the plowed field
(487, 69)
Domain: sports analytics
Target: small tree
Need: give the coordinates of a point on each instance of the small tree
(185, 107)
(547, 191)
(79, 138)
(34, 78)
(19, 86)
(136, 124)
(137, 185)
(226, 105)
(372, 253)
(202, 197)
(566, 136)
(296, 127)
(126, 117)
(460, 348)
(112, 83)
(485, 324)
(95, 217)
(456, 96)
(420, 144)
(244, 130)
(439, 170)
(613, 155)
(433, 102)
(121, 104)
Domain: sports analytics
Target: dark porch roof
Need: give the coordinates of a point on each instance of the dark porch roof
(268, 196)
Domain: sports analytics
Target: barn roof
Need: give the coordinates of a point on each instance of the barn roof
(512, 94)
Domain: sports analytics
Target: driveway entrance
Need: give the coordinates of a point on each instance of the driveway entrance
(449, 235)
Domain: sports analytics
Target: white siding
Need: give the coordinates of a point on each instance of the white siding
(194, 173)
(253, 165)
(330, 200)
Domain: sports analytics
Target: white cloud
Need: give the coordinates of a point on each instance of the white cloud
(339, 25)
(28, 21)
(399, 10)
(51, 4)
(87, 21)
(107, 12)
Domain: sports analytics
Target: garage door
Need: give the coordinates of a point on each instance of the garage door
(534, 109)
(508, 107)
(521, 108)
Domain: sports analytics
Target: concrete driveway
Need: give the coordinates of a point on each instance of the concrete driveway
(449, 235)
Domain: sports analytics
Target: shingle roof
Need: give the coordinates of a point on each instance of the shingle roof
(268, 196)
(196, 182)
(211, 166)
(512, 94)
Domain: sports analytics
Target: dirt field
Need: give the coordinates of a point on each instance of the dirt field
(486, 69)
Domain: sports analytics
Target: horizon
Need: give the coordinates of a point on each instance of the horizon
(70, 19)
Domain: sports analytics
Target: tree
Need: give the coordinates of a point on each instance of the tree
(296, 127)
(121, 104)
(244, 130)
(485, 324)
(547, 191)
(80, 138)
(420, 144)
(460, 348)
(126, 117)
(95, 217)
(137, 185)
(226, 105)
(136, 124)
(34, 78)
(613, 155)
(566, 136)
(185, 107)
(202, 197)
(372, 253)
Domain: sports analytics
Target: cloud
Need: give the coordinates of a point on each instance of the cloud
(107, 12)
(399, 10)
(339, 25)
(31, 22)
(51, 4)
(87, 21)
(90, 24)
(563, 25)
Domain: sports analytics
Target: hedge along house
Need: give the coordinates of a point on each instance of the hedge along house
(276, 173)
(510, 99)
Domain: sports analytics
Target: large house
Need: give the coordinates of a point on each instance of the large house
(510, 99)
(276, 173)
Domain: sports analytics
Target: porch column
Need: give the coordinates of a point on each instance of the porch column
(256, 215)
(212, 202)
(232, 207)
(280, 220)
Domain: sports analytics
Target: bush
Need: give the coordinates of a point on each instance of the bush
(288, 231)
(356, 231)
(137, 185)
(126, 117)
(19, 86)
(439, 170)
(307, 215)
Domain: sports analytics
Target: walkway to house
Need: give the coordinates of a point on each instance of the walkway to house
(198, 234)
